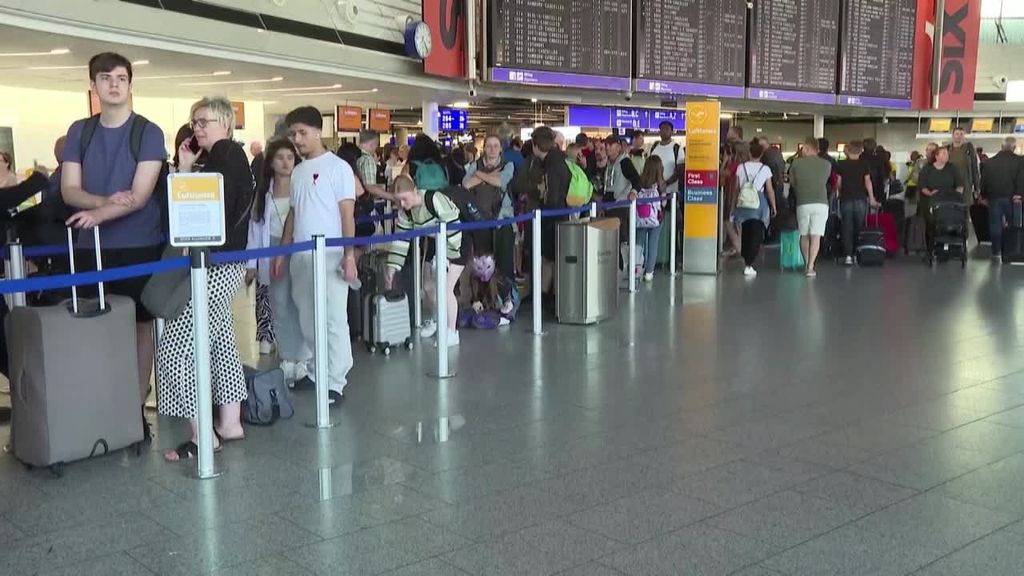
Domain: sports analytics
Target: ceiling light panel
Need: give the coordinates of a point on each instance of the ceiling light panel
(184, 76)
(227, 82)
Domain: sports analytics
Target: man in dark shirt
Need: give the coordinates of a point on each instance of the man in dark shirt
(876, 167)
(856, 193)
(554, 190)
(1003, 183)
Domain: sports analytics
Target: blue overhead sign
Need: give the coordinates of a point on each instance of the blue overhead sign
(452, 120)
(624, 118)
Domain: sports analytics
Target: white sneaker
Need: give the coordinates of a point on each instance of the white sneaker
(749, 272)
(288, 368)
(266, 348)
(301, 371)
(428, 329)
(649, 277)
(453, 339)
(504, 322)
(848, 261)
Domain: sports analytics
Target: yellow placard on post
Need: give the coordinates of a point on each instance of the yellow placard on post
(982, 125)
(940, 125)
(196, 209)
(700, 188)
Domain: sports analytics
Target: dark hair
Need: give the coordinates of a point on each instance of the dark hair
(307, 115)
(581, 139)
(264, 178)
(854, 147)
(870, 144)
(756, 148)
(7, 158)
(654, 173)
(543, 139)
(424, 148)
(106, 62)
(664, 123)
(527, 148)
(823, 144)
(350, 153)
(184, 133)
(516, 141)
(738, 130)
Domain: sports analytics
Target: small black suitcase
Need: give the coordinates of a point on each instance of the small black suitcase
(979, 220)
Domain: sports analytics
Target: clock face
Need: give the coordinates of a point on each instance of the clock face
(422, 40)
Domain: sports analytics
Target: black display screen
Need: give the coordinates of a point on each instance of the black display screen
(579, 43)
(691, 47)
(794, 48)
(877, 57)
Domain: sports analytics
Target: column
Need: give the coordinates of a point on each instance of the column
(819, 125)
(430, 119)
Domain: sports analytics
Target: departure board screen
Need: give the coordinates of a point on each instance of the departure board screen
(877, 57)
(577, 43)
(794, 48)
(692, 47)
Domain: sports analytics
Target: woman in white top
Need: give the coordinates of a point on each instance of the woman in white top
(277, 319)
(759, 176)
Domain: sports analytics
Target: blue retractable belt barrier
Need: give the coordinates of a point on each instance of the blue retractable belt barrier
(94, 277)
(260, 253)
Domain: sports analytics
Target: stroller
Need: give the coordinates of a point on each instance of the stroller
(949, 239)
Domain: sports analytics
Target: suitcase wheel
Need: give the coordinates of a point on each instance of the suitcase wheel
(371, 348)
(57, 470)
(387, 350)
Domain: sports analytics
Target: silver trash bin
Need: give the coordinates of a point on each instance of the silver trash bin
(588, 270)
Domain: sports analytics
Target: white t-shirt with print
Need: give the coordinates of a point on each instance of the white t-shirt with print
(318, 185)
(669, 160)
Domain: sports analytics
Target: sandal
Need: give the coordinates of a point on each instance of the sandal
(227, 439)
(188, 451)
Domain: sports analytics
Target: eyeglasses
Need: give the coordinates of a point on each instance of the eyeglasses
(201, 123)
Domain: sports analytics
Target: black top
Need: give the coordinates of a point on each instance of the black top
(944, 181)
(1003, 175)
(556, 177)
(227, 158)
(852, 173)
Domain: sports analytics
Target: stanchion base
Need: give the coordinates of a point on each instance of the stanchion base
(532, 333)
(315, 425)
(450, 374)
(218, 471)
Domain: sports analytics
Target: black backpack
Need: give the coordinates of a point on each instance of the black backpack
(139, 123)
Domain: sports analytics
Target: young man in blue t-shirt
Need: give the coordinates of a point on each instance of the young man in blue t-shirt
(111, 185)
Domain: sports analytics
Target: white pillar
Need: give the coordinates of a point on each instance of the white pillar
(819, 125)
(429, 119)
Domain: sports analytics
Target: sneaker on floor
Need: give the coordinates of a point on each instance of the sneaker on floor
(649, 277)
(848, 261)
(428, 329)
(504, 322)
(301, 371)
(997, 258)
(288, 367)
(266, 348)
(453, 339)
(335, 398)
(812, 274)
(749, 272)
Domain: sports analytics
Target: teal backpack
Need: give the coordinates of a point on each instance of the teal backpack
(430, 175)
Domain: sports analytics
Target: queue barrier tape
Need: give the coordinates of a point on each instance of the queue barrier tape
(260, 253)
(487, 224)
(369, 240)
(93, 277)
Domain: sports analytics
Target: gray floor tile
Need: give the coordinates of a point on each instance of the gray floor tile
(877, 436)
(266, 566)
(785, 519)
(995, 440)
(768, 433)
(697, 549)
(642, 516)
(337, 516)
(114, 565)
(996, 487)
(376, 550)
(938, 415)
(432, 567)
(850, 551)
(737, 483)
(1012, 417)
(591, 569)
(951, 524)
(922, 466)
(490, 517)
(8, 532)
(756, 571)
(1000, 554)
(862, 494)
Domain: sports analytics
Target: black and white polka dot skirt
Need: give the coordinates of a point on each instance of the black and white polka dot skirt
(176, 354)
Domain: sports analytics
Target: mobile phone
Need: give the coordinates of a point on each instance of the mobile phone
(193, 145)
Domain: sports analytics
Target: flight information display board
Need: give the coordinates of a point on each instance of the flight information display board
(794, 47)
(877, 63)
(691, 47)
(452, 120)
(624, 118)
(577, 43)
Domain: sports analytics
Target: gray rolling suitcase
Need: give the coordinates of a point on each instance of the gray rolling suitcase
(386, 323)
(74, 379)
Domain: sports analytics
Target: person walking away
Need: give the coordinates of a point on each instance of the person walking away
(856, 193)
(322, 203)
(266, 229)
(940, 181)
(963, 155)
(810, 176)
(423, 209)
(753, 205)
(650, 215)
(111, 185)
(738, 154)
(213, 120)
(1003, 182)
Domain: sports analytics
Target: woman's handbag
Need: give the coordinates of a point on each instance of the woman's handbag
(168, 293)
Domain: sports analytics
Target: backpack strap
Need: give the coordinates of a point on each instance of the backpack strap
(135, 136)
(675, 151)
(88, 131)
(428, 203)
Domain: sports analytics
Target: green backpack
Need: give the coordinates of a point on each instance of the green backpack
(580, 187)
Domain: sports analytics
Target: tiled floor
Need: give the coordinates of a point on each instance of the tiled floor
(865, 422)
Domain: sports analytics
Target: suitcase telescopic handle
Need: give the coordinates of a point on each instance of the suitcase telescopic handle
(99, 268)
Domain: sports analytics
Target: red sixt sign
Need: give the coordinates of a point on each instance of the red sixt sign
(447, 22)
(958, 70)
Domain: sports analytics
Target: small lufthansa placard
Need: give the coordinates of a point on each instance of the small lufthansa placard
(196, 209)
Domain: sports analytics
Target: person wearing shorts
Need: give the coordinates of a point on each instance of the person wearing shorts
(808, 178)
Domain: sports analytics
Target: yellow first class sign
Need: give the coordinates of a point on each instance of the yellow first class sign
(196, 209)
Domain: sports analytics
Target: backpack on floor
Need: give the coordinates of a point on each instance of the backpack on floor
(267, 397)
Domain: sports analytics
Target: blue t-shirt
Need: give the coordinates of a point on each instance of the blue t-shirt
(109, 167)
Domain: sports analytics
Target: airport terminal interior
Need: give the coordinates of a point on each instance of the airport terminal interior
(781, 337)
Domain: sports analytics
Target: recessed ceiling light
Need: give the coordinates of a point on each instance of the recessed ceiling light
(305, 89)
(180, 76)
(140, 62)
(463, 105)
(253, 81)
(342, 93)
(79, 66)
(534, 100)
(54, 52)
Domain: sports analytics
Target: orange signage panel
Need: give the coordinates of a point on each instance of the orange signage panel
(380, 120)
(239, 108)
(349, 119)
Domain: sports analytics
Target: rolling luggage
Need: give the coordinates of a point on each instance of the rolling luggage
(386, 322)
(1013, 237)
(979, 221)
(917, 234)
(871, 243)
(74, 379)
(886, 223)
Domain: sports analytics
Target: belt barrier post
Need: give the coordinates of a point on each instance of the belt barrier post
(593, 209)
(417, 285)
(201, 336)
(441, 297)
(535, 257)
(632, 245)
(674, 232)
(16, 271)
(320, 272)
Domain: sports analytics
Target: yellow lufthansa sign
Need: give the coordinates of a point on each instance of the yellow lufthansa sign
(196, 209)
(702, 128)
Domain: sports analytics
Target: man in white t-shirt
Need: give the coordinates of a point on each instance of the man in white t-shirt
(322, 204)
(672, 156)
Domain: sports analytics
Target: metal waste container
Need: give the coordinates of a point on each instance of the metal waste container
(588, 270)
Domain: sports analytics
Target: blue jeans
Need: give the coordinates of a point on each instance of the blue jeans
(853, 213)
(647, 238)
(998, 208)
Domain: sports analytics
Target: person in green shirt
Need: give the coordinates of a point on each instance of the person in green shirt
(808, 178)
(965, 158)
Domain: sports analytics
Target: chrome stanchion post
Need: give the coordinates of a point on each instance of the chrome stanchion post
(201, 338)
(16, 271)
(593, 209)
(441, 304)
(673, 229)
(71, 261)
(417, 285)
(535, 257)
(320, 272)
(632, 245)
